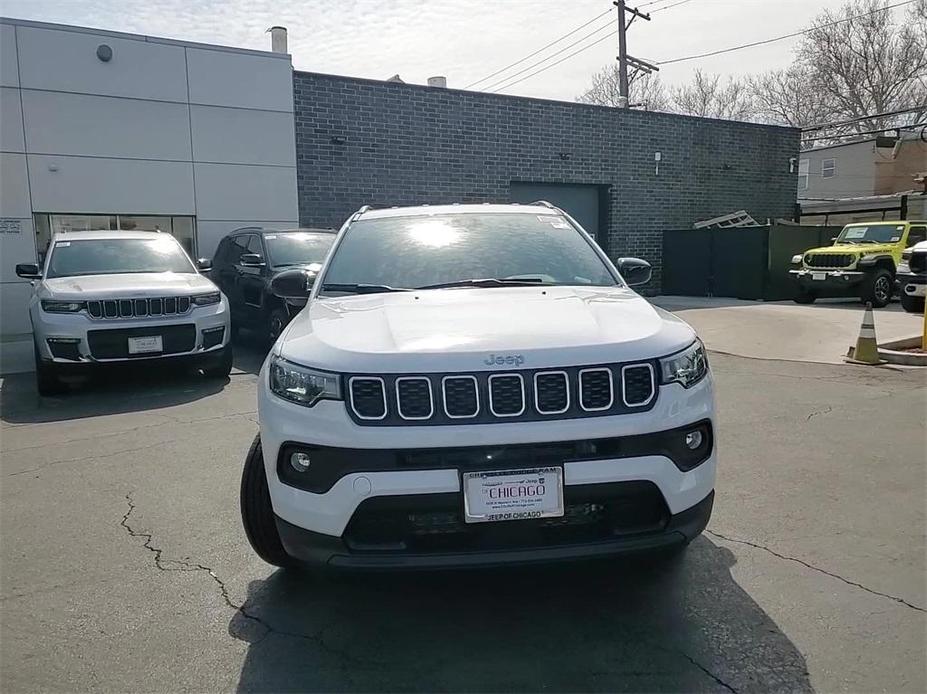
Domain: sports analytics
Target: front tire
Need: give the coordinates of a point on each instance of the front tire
(912, 304)
(804, 296)
(276, 322)
(47, 381)
(223, 366)
(257, 514)
(877, 289)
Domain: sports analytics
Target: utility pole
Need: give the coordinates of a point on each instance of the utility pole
(623, 58)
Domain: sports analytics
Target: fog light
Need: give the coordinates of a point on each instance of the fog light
(694, 439)
(300, 461)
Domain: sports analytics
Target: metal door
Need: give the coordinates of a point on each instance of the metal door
(582, 202)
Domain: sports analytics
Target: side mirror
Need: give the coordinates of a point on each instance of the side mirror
(29, 271)
(251, 260)
(634, 271)
(293, 284)
(204, 264)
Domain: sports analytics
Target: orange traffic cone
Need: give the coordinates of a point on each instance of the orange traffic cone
(867, 349)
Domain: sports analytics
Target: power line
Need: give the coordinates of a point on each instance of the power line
(542, 48)
(884, 114)
(782, 38)
(566, 57)
(667, 7)
(544, 60)
(909, 126)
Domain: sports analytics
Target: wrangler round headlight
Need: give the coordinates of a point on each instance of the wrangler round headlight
(687, 367)
(302, 385)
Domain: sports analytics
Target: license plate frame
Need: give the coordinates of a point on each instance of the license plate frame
(145, 344)
(479, 507)
(819, 276)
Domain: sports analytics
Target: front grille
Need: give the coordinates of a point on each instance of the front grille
(484, 397)
(368, 397)
(433, 523)
(114, 344)
(829, 260)
(506, 395)
(596, 390)
(637, 384)
(918, 262)
(551, 392)
(414, 398)
(138, 308)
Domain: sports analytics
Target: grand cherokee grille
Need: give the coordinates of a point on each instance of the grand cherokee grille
(829, 260)
(139, 308)
(918, 262)
(493, 397)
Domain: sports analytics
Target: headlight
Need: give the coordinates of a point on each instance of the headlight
(62, 306)
(301, 385)
(687, 367)
(206, 299)
(796, 259)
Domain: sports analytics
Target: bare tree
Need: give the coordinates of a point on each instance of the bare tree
(645, 90)
(868, 63)
(707, 95)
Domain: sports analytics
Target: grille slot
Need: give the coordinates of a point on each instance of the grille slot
(413, 396)
(506, 395)
(637, 387)
(461, 396)
(138, 308)
(368, 397)
(828, 260)
(596, 390)
(551, 392)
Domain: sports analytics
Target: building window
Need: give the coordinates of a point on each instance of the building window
(46, 225)
(803, 174)
(828, 168)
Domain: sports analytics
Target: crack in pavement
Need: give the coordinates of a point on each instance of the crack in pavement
(163, 564)
(707, 671)
(818, 569)
(827, 409)
(90, 457)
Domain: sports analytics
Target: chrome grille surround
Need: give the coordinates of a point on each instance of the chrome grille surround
(110, 309)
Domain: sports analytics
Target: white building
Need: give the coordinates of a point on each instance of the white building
(116, 131)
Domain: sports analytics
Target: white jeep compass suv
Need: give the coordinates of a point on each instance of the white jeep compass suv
(121, 296)
(475, 385)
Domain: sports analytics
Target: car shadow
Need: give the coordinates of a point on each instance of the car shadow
(679, 625)
(250, 351)
(127, 388)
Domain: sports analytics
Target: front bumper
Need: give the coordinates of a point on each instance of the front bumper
(314, 525)
(827, 280)
(76, 340)
(911, 284)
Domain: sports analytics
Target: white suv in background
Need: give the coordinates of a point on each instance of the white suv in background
(473, 385)
(118, 296)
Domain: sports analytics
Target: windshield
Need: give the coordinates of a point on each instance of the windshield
(420, 251)
(874, 233)
(117, 256)
(297, 248)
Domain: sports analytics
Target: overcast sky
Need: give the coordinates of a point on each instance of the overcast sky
(462, 39)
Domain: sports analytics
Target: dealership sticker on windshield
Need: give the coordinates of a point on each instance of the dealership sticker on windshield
(856, 233)
(894, 239)
(63, 244)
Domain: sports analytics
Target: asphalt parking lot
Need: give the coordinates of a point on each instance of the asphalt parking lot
(123, 566)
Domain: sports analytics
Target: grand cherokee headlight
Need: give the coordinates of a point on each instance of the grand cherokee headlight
(302, 385)
(62, 306)
(687, 367)
(206, 299)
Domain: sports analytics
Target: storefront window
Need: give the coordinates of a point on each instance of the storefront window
(182, 228)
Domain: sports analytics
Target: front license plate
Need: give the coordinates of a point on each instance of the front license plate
(143, 345)
(819, 275)
(502, 495)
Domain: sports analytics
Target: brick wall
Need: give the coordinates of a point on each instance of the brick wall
(363, 142)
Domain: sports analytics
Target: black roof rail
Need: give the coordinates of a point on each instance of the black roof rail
(252, 228)
(545, 204)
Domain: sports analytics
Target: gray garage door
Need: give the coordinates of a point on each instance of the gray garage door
(580, 201)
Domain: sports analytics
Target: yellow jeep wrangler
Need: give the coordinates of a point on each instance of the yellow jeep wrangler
(861, 262)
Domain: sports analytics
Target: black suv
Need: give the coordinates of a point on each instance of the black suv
(247, 259)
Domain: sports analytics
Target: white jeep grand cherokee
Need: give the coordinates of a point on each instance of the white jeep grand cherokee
(475, 385)
(121, 296)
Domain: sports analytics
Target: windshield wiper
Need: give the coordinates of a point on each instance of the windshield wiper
(362, 288)
(489, 282)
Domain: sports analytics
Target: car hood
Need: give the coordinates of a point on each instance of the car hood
(854, 249)
(127, 286)
(469, 329)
